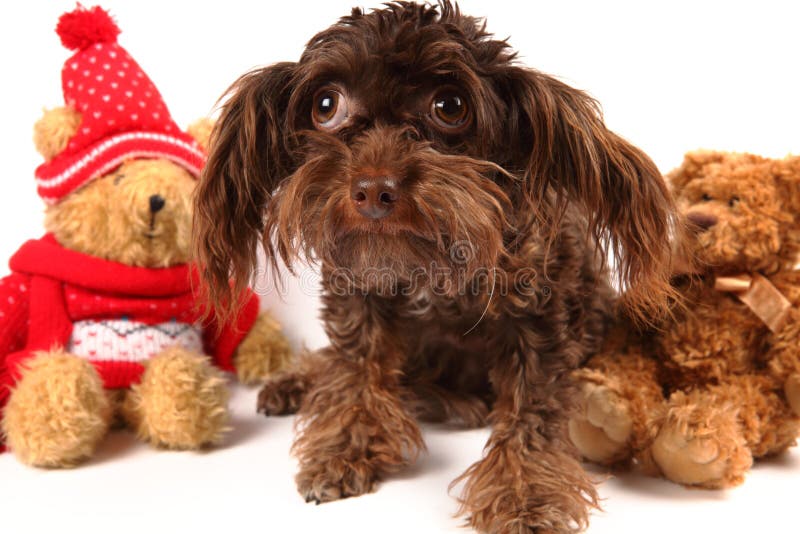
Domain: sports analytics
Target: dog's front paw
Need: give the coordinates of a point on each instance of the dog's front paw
(344, 448)
(603, 426)
(529, 490)
(335, 478)
(282, 394)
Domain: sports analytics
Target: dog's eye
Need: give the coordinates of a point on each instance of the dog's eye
(449, 110)
(706, 197)
(330, 109)
(733, 201)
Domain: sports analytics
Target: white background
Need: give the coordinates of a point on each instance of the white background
(671, 77)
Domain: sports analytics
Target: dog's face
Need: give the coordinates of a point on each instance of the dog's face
(401, 150)
(406, 139)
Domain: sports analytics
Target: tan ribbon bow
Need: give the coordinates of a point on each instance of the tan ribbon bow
(758, 293)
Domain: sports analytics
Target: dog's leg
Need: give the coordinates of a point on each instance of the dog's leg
(353, 425)
(529, 479)
(448, 385)
(434, 404)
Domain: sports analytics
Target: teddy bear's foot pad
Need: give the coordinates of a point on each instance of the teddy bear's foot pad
(702, 449)
(603, 427)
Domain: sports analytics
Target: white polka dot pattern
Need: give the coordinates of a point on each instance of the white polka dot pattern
(122, 117)
(105, 73)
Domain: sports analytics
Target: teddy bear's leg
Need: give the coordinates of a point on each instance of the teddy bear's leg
(700, 442)
(180, 403)
(783, 359)
(708, 438)
(769, 424)
(791, 390)
(619, 395)
(262, 352)
(57, 412)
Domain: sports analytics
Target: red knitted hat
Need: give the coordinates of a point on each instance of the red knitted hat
(122, 113)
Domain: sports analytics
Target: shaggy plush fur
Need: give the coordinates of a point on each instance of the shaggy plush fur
(714, 388)
(110, 217)
(263, 352)
(58, 411)
(458, 204)
(180, 403)
(56, 383)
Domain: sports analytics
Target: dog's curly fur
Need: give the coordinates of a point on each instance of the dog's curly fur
(483, 287)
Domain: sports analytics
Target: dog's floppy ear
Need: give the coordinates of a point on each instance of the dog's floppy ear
(248, 157)
(568, 153)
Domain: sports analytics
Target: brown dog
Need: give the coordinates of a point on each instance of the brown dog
(460, 206)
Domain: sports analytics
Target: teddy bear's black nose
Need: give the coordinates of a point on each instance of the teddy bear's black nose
(704, 221)
(156, 203)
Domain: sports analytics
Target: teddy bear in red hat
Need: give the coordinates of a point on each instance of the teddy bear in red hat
(99, 320)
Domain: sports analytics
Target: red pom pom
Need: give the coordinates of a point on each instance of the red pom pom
(84, 27)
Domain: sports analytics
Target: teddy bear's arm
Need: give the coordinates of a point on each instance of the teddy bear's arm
(14, 304)
(263, 351)
(250, 344)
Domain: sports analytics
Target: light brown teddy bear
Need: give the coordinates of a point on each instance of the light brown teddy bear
(100, 323)
(718, 383)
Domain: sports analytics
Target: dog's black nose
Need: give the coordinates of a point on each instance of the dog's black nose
(703, 221)
(156, 203)
(374, 196)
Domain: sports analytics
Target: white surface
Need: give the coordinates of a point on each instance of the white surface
(247, 486)
(671, 78)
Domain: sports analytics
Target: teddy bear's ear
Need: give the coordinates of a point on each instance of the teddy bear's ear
(201, 131)
(693, 166)
(787, 176)
(53, 131)
(698, 164)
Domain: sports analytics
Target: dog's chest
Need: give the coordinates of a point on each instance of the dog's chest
(445, 324)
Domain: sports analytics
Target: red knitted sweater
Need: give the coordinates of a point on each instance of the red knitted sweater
(113, 314)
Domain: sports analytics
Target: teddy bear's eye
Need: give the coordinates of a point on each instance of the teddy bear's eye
(118, 178)
(733, 201)
(706, 197)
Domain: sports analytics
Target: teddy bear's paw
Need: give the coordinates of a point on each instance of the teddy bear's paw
(180, 403)
(603, 426)
(58, 411)
(263, 351)
(702, 447)
(792, 390)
